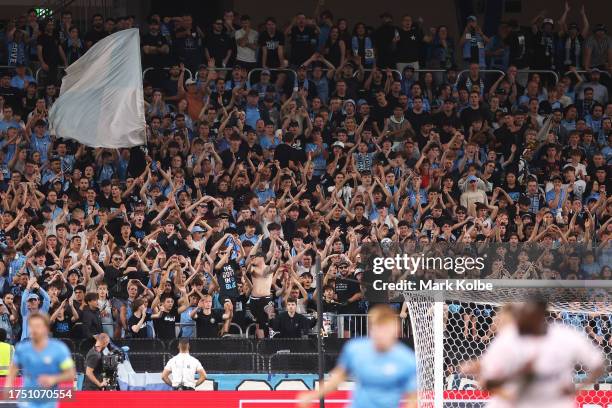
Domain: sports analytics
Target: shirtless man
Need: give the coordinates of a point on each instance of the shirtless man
(260, 301)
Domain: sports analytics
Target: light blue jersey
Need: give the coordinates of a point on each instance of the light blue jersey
(381, 379)
(52, 360)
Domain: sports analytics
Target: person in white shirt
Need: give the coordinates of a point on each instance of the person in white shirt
(183, 368)
(246, 44)
(533, 365)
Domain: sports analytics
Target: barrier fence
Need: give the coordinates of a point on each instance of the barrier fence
(9, 69)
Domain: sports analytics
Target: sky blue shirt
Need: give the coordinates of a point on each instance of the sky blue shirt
(52, 360)
(382, 379)
(45, 302)
(18, 82)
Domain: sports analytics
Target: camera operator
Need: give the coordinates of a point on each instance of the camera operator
(93, 365)
(183, 368)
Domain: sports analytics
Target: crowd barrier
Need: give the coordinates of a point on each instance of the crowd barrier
(11, 70)
(150, 69)
(258, 71)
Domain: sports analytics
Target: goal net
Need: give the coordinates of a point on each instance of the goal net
(457, 326)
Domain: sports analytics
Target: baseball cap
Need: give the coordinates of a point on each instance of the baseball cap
(472, 178)
(472, 18)
(197, 228)
(265, 72)
(339, 144)
(190, 82)
(548, 21)
(32, 296)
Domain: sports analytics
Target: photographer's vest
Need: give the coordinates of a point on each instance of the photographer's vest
(6, 355)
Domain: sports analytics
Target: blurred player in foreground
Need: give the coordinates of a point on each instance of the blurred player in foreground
(384, 369)
(530, 363)
(45, 362)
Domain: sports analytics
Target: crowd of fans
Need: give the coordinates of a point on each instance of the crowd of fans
(274, 148)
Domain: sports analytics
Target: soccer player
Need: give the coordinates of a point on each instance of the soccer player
(383, 369)
(534, 365)
(44, 362)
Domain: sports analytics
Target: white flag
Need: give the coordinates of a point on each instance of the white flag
(101, 102)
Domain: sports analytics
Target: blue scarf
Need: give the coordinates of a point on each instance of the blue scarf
(368, 49)
(16, 53)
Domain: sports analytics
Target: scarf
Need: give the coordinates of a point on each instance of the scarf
(368, 49)
(16, 53)
(572, 51)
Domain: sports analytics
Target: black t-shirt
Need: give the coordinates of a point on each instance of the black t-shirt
(217, 46)
(117, 284)
(93, 360)
(271, 43)
(409, 44)
(50, 49)
(284, 153)
(383, 41)
(154, 60)
(519, 42)
(380, 113)
(188, 49)
(416, 119)
(94, 36)
(165, 326)
(345, 289)
(11, 96)
(302, 44)
(62, 328)
(142, 333)
(208, 325)
(226, 276)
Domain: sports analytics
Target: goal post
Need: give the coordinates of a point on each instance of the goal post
(454, 326)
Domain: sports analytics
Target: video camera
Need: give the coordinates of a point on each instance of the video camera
(110, 365)
(111, 361)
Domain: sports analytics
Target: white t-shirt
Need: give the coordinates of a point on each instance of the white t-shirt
(246, 54)
(183, 369)
(553, 358)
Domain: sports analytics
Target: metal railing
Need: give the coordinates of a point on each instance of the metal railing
(540, 71)
(11, 70)
(356, 325)
(60, 71)
(144, 72)
(222, 69)
(584, 71)
(394, 71)
(482, 71)
(259, 70)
